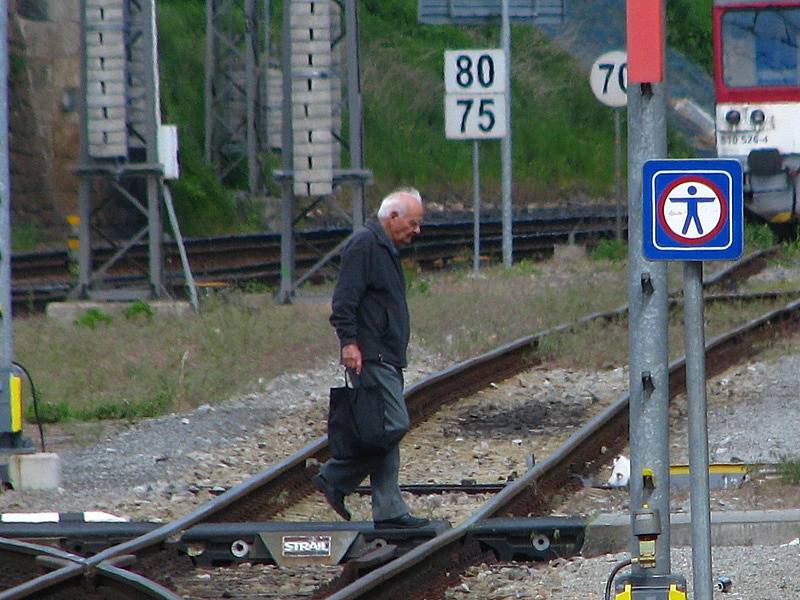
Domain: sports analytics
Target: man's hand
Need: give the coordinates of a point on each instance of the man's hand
(351, 357)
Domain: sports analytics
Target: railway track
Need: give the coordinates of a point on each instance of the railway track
(265, 495)
(39, 278)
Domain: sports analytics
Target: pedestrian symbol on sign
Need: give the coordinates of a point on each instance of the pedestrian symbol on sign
(691, 210)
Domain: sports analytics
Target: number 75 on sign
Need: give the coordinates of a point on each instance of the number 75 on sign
(475, 100)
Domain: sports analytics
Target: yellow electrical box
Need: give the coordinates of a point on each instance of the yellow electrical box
(15, 389)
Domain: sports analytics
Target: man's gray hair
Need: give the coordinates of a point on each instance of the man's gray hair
(394, 202)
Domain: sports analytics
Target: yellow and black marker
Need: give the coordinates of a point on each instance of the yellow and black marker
(650, 587)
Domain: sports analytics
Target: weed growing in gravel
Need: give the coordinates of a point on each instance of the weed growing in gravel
(611, 250)
(789, 469)
(758, 236)
(140, 307)
(92, 318)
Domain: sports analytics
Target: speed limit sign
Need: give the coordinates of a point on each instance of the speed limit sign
(475, 99)
(609, 78)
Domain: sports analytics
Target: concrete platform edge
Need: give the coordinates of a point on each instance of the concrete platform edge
(610, 533)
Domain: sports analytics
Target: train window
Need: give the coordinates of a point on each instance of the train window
(760, 47)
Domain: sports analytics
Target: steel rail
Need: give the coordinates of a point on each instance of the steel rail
(578, 456)
(280, 485)
(71, 570)
(266, 246)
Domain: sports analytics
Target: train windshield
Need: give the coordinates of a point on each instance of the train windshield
(760, 47)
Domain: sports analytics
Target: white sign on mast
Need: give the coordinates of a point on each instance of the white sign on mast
(609, 78)
(475, 95)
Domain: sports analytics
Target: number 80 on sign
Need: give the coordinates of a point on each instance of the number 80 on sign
(475, 102)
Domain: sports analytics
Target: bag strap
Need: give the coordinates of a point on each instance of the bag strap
(351, 380)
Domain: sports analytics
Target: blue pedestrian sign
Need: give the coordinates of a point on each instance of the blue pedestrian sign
(693, 209)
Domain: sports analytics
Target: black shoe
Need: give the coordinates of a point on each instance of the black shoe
(406, 521)
(334, 497)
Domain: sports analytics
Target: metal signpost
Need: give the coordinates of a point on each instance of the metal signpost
(475, 108)
(478, 12)
(505, 143)
(648, 312)
(608, 79)
(693, 210)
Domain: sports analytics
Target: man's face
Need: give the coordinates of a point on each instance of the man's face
(403, 229)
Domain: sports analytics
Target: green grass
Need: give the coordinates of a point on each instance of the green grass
(610, 249)
(142, 366)
(203, 205)
(689, 30)
(758, 236)
(26, 236)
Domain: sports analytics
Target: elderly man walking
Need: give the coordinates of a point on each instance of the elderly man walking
(371, 319)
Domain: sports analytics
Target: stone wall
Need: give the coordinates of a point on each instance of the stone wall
(44, 115)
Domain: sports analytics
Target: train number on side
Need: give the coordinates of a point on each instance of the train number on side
(734, 139)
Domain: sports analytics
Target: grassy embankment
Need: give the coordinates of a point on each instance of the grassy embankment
(563, 138)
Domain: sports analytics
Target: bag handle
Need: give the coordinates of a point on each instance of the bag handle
(351, 380)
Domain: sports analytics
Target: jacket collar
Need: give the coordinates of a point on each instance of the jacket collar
(376, 228)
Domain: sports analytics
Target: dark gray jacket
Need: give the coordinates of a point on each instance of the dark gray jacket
(369, 302)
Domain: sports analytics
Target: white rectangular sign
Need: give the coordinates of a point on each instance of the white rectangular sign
(475, 116)
(474, 71)
(475, 99)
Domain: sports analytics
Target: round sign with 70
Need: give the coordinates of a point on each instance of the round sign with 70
(475, 100)
(609, 78)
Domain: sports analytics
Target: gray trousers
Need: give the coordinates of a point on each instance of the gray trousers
(383, 470)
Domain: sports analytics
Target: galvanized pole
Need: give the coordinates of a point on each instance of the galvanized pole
(648, 319)
(287, 150)
(505, 144)
(251, 36)
(476, 206)
(155, 228)
(618, 169)
(264, 75)
(6, 351)
(210, 72)
(85, 182)
(355, 108)
(693, 319)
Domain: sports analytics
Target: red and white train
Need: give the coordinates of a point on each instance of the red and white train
(757, 80)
